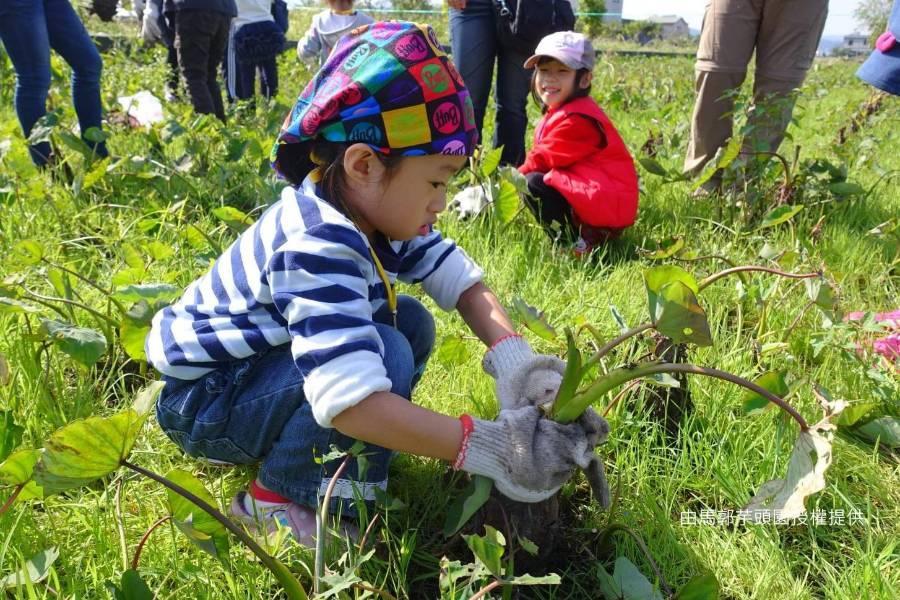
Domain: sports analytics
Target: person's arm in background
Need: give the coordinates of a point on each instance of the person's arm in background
(309, 48)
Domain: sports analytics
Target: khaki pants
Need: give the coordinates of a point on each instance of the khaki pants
(785, 35)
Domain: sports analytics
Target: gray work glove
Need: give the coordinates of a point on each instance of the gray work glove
(530, 457)
(523, 377)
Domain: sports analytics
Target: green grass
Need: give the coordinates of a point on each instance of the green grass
(721, 457)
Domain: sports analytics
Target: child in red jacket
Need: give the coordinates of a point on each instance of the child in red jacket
(579, 171)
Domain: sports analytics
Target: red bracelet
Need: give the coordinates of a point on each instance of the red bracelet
(505, 337)
(468, 426)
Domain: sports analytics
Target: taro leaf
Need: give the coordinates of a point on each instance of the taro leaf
(96, 174)
(490, 161)
(533, 319)
(488, 549)
(854, 413)
(884, 430)
(572, 374)
(60, 282)
(809, 460)
(506, 201)
(666, 248)
(844, 189)
(10, 434)
(133, 587)
(151, 292)
(526, 579)
(13, 306)
(772, 381)
(73, 142)
(512, 175)
(200, 527)
(27, 253)
(452, 571)
(86, 450)
(701, 587)
(452, 350)
(723, 157)
(232, 217)
(18, 469)
(473, 497)
(85, 346)
(95, 135)
(157, 250)
(132, 335)
(34, 570)
(656, 277)
(820, 291)
(626, 582)
(680, 317)
(652, 166)
(780, 215)
(4, 371)
(41, 131)
(132, 257)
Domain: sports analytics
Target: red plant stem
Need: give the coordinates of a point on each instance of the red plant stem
(11, 500)
(144, 538)
(362, 541)
(486, 589)
(716, 276)
(608, 346)
(322, 525)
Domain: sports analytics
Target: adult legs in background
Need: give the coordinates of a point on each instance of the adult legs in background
(268, 77)
(200, 38)
(513, 83)
(473, 43)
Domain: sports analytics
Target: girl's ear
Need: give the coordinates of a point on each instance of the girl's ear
(362, 165)
(585, 81)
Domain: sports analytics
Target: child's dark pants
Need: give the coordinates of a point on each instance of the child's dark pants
(200, 38)
(254, 411)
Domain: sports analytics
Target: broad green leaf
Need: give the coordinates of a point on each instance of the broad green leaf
(27, 253)
(10, 434)
(551, 579)
(132, 335)
(85, 346)
(657, 277)
(96, 174)
(779, 215)
(506, 202)
(42, 130)
(73, 142)
(132, 257)
(845, 189)
(666, 248)
(701, 587)
(452, 351)
(854, 413)
(772, 381)
(158, 251)
(528, 546)
(572, 374)
(200, 527)
(723, 158)
(473, 497)
(133, 587)
(95, 135)
(195, 238)
(151, 292)
(626, 582)
(820, 291)
(234, 218)
(680, 316)
(652, 166)
(885, 430)
(488, 549)
(18, 468)
(13, 306)
(145, 400)
(34, 570)
(491, 161)
(60, 281)
(86, 450)
(457, 580)
(128, 276)
(533, 319)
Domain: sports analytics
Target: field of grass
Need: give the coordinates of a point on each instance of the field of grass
(147, 216)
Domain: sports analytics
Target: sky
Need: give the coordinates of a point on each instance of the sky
(840, 12)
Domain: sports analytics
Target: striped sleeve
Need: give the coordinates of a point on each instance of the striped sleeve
(319, 285)
(443, 268)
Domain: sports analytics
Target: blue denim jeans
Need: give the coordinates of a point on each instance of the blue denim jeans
(475, 46)
(28, 29)
(254, 411)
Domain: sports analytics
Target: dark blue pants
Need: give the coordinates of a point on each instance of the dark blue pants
(28, 29)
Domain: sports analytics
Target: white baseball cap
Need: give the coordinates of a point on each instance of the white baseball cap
(572, 49)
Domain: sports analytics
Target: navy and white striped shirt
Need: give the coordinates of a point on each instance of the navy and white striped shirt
(303, 274)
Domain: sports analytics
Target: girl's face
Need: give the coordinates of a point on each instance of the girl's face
(555, 83)
(340, 5)
(404, 203)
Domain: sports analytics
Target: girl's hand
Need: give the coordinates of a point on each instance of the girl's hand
(523, 377)
(457, 4)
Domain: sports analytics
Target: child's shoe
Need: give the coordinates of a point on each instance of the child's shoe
(581, 248)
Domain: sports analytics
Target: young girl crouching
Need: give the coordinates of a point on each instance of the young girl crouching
(580, 174)
(296, 341)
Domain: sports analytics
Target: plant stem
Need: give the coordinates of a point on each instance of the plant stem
(606, 348)
(620, 395)
(88, 282)
(383, 593)
(797, 320)
(291, 586)
(716, 276)
(322, 524)
(486, 589)
(12, 499)
(47, 300)
(611, 529)
(120, 524)
(573, 409)
(140, 547)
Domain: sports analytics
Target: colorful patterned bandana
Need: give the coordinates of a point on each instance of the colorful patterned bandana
(388, 85)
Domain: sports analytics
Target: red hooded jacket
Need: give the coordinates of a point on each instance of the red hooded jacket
(584, 158)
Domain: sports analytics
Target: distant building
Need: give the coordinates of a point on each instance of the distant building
(855, 44)
(671, 26)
